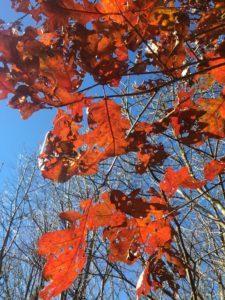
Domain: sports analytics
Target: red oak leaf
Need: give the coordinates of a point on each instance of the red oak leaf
(65, 254)
(181, 178)
(213, 169)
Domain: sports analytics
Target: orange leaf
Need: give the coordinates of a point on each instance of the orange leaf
(217, 73)
(79, 154)
(102, 214)
(65, 254)
(181, 178)
(213, 169)
(214, 116)
(124, 242)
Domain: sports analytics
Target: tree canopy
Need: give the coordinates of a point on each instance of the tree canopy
(138, 88)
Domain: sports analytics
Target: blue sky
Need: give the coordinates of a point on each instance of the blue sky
(18, 136)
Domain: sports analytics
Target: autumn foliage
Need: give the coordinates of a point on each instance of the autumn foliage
(158, 44)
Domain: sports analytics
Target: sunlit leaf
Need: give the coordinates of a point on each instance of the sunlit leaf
(181, 178)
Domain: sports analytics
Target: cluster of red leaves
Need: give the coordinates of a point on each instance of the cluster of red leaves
(132, 225)
(45, 67)
(70, 153)
(193, 122)
(148, 231)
